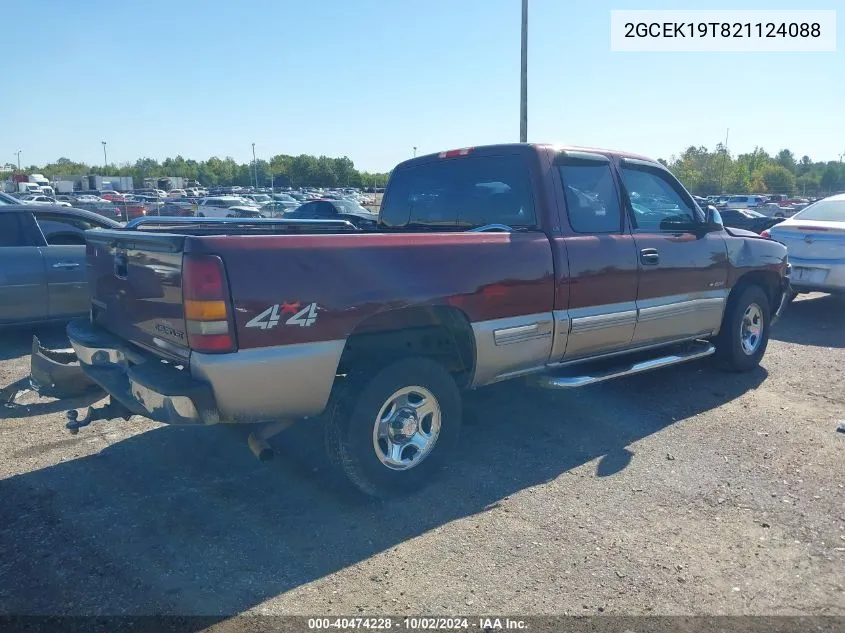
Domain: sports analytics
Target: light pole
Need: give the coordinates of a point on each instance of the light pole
(254, 166)
(523, 83)
(415, 151)
(19, 159)
(105, 158)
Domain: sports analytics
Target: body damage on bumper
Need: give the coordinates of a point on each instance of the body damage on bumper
(246, 386)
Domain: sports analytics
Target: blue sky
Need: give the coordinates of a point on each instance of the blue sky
(370, 79)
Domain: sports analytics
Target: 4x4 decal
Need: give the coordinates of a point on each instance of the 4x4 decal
(302, 316)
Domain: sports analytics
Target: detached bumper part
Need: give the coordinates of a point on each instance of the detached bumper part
(786, 291)
(58, 374)
(139, 382)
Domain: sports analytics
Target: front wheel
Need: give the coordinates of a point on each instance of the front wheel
(744, 336)
(389, 433)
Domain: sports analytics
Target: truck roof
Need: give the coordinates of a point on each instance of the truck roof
(521, 148)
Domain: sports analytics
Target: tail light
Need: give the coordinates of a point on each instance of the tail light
(455, 152)
(205, 296)
(766, 234)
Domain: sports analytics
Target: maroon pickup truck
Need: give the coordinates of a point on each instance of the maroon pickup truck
(564, 266)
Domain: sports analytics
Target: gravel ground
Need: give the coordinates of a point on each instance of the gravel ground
(686, 491)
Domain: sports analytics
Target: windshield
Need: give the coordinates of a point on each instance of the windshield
(824, 211)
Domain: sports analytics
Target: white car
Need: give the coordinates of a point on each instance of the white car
(177, 193)
(745, 202)
(45, 200)
(218, 206)
(815, 241)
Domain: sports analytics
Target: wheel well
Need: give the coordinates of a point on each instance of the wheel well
(768, 281)
(441, 333)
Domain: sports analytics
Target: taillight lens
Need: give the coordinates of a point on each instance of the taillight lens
(206, 300)
(766, 234)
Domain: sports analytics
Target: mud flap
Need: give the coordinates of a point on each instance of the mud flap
(58, 374)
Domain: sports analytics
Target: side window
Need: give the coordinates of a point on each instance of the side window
(592, 202)
(60, 229)
(461, 193)
(656, 204)
(326, 210)
(11, 231)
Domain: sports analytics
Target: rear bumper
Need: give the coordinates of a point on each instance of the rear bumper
(141, 382)
(820, 275)
(253, 385)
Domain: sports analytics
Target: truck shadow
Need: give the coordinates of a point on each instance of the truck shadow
(818, 320)
(186, 521)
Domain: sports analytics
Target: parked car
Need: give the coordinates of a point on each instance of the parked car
(776, 210)
(486, 264)
(43, 274)
(747, 219)
(218, 207)
(329, 209)
(42, 199)
(276, 208)
(177, 208)
(815, 239)
(744, 202)
(243, 211)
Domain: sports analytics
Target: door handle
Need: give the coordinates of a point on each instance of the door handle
(66, 265)
(649, 257)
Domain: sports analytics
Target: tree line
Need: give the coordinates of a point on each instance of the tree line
(280, 171)
(707, 173)
(702, 171)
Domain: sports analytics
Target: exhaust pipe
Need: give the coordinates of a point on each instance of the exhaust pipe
(260, 448)
(257, 440)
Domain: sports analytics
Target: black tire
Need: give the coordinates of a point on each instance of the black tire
(731, 354)
(351, 420)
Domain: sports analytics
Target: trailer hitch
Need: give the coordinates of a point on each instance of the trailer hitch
(108, 411)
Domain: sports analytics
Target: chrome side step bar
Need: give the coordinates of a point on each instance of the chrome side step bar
(580, 378)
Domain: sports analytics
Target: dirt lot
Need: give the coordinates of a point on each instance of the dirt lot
(686, 491)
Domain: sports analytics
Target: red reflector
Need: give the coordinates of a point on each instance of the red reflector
(211, 342)
(456, 152)
(766, 234)
(202, 277)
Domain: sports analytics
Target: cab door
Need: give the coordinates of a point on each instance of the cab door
(596, 294)
(683, 267)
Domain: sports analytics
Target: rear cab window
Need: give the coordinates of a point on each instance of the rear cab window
(590, 193)
(461, 193)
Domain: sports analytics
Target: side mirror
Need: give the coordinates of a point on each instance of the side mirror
(712, 218)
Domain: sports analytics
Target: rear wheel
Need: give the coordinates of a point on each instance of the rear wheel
(390, 433)
(744, 336)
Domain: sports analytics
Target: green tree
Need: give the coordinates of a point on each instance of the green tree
(786, 159)
(778, 179)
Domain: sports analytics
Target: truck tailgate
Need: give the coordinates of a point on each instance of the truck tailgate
(135, 280)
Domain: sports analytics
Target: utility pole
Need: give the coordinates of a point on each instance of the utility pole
(105, 158)
(724, 160)
(254, 166)
(523, 84)
(19, 159)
